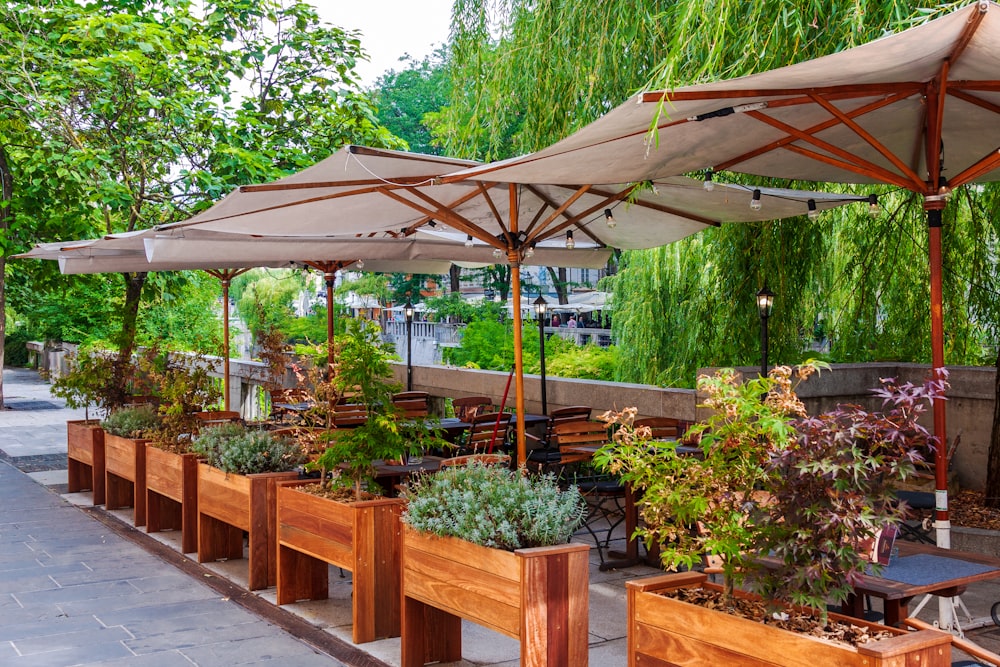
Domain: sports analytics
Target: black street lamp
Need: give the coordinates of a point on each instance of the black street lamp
(765, 301)
(540, 312)
(408, 311)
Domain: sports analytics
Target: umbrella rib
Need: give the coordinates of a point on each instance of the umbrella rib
(933, 125)
(848, 161)
(846, 90)
(558, 210)
(446, 214)
(400, 182)
(878, 174)
(870, 140)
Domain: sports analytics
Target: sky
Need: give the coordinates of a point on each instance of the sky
(390, 28)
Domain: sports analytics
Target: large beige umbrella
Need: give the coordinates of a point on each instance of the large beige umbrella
(918, 110)
(379, 194)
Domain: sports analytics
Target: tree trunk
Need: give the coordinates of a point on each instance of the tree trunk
(134, 283)
(6, 213)
(993, 463)
(454, 273)
(560, 283)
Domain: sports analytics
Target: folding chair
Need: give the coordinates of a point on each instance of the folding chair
(487, 433)
(545, 456)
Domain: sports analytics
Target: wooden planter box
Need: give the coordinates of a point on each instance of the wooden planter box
(85, 458)
(363, 537)
(538, 596)
(228, 505)
(125, 475)
(664, 631)
(172, 494)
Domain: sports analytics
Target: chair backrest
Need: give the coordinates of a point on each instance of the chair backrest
(485, 433)
(468, 407)
(349, 415)
(573, 413)
(413, 404)
(212, 417)
(579, 434)
(485, 459)
(661, 427)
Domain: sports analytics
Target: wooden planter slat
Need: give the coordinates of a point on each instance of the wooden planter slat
(85, 458)
(125, 475)
(665, 631)
(537, 596)
(362, 537)
(229, 504)
(172, 494)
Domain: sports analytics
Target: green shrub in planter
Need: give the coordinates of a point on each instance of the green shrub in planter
(141, 421)
(235, 449)
(494, 507)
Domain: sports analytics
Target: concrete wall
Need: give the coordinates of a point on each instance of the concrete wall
(969, 407)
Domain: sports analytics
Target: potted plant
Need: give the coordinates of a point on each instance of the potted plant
(126, 432)
(236, 493)
(341, 518)
(490, 545)
(88, 383)
(182, 384)
(788, 503)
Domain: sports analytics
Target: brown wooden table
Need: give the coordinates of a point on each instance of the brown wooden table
(918, 570)
(388, 474)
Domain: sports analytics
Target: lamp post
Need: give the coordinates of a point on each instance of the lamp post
(408, 311)
(765, 301)
(540, 312)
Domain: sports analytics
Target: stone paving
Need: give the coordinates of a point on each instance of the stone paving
(80, 586)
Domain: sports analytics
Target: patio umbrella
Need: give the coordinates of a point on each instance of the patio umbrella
(917, 110)
(373, 193)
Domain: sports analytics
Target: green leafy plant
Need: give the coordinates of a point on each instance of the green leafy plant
(494, 507)
(183, 386)
(235, 449)
(141, 421)
(807, 492)
(363, 374)
(96, 378)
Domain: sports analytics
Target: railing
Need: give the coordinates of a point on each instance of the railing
(450, 335)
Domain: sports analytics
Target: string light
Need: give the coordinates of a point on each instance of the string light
(570, 243)
(708, 184)
(361, 263)
(874, 210)
(755, 200)
(529, 252)
(468, 241)
(812, 213)
(497, 253)
(609, 218)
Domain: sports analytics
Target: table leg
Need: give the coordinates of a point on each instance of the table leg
(630, 557)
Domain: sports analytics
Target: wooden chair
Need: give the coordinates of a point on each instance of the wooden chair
(468, 407)
(349, 415)
(487, 432)
(485, 459)
(662, 428)
(544, 456)
(413, 404)
(569, 435)
(213, 417)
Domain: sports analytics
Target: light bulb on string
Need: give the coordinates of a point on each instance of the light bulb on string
(609, 218)
(755, 200)
(529, 252)
(812, 213)
(874, 210)
(468, 241)
(708, 183)
(497, 253)
(570, 243)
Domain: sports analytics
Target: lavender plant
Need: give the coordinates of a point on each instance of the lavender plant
(494, 507)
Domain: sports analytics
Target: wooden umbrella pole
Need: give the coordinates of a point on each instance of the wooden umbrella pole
(329, 276)
(937, 363)
(225, 344)
(513, 255)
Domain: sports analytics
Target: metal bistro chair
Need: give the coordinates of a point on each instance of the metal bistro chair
(545, 457)
(487, 433)
(604, 493)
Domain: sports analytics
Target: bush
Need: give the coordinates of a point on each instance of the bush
(139, 422)
(15, 350)
(235, 449)
(494, 507)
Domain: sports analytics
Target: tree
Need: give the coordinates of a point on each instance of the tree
(404, 98)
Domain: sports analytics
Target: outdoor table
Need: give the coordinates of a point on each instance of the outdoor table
(294, 408)
(389, 474)
(453, 428)
(918, 570)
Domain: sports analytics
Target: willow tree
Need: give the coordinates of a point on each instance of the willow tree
(533, 71)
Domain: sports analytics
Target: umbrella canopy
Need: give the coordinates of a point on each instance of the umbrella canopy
(916, 110)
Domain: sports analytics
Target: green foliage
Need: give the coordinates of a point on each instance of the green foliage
(235, 449)
(494, 507)
(264, 297)
(95, 377)
(404, 97)
(809, 492)
(486, 344)
(183, 386)
(589, 362)
(15, 350)
(364, 375)
(141, 421)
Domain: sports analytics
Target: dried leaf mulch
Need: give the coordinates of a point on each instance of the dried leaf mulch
(968, 509)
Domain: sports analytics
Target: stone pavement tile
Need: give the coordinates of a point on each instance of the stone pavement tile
(161, 659)
(70, 640)
(90, 592)
(183, 639)
(281, 650)
(91, 653)
(135, 602)
(207, 623)
(7, 653)
(62, 625)
(607, 609)
(154, 611)
(170, 579)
